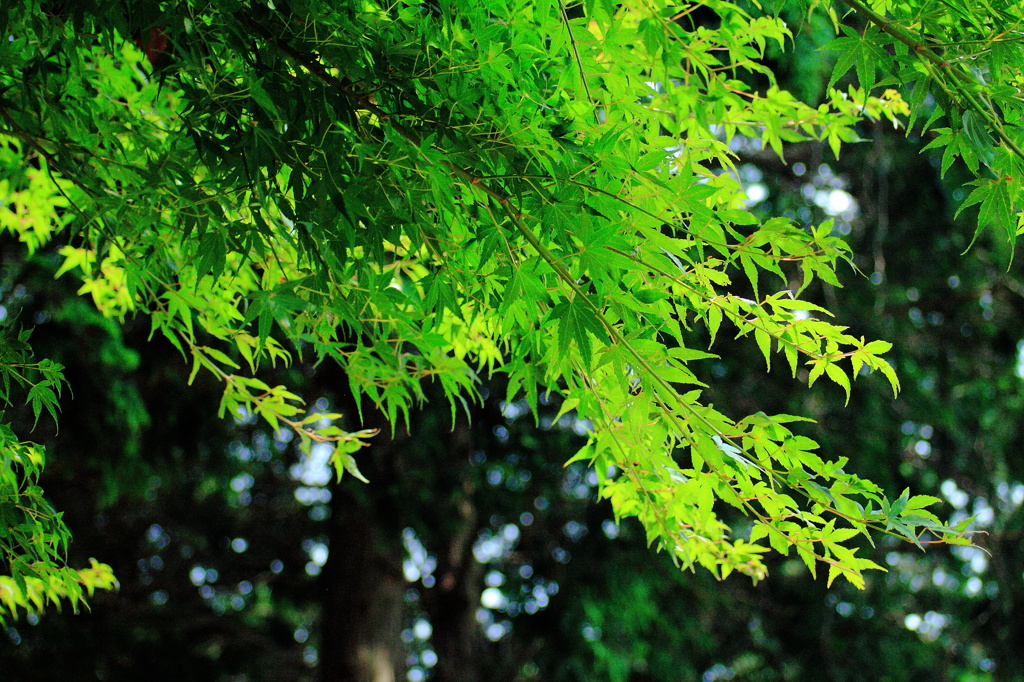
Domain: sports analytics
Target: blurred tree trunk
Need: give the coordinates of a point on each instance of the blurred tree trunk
(363, 605)
(363, 598)
(453, 603)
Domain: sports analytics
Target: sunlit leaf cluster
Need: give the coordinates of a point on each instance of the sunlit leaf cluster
(434, 192)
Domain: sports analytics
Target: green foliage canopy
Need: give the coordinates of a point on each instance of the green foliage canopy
(424, 192)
